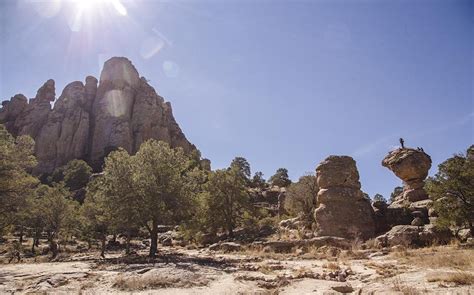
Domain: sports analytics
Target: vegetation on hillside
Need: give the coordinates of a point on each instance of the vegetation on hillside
(160, 185)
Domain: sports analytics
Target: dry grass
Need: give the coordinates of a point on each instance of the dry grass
(404, 288)
(458, 278)
(386, 270)
(438, 257)
(331, 266)
(371, 244)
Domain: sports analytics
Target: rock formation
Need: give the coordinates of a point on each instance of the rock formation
(90, 120)
(412, 167)
(343, 209)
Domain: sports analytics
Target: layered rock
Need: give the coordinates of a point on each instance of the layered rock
(90, 120)
(412, 167)
(343, 209)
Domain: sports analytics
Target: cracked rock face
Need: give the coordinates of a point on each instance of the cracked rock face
(412, 167)
(343, 209)
(90, 120)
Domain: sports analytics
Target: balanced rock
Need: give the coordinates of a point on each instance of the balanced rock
(90, 120)
(412, 167)
(343, 209)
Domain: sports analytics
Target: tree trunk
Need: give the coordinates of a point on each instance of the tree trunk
(471, 228)
(102, 246)
(154, 239)
(127, 244)
(53, 246)
(33, 245)
(21, 235)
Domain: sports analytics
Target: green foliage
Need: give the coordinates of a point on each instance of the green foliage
(258, 181)
(226, 201)
(16, 184)
(77, 174)
(452, 190)
(242, 166)
(379, 198)
(115, 191)
(396, 192)
(57, 211)
(280, 178)
(155, 186)
(301, 197)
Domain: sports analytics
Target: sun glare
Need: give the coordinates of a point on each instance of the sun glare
(83, 5)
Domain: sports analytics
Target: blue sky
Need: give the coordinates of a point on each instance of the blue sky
(282, 83)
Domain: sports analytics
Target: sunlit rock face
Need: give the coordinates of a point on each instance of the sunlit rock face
(90, 120)
(65, 134)
(127, 111)
(412, 167)
(343, 209)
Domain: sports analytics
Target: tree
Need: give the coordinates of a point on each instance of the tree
(280, 178)
(379, 198)
(452, 190)
(301, 197)
(16, 160)
(396, 192)
(117, 189)
(96, 217)
(226, 200)
(242, 166)
(258, 181)
(58, 212)
(77, 174)
(160, 182)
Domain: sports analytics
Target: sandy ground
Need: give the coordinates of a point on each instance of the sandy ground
(203, 272)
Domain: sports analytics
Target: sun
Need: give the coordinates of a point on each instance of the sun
(84, 5)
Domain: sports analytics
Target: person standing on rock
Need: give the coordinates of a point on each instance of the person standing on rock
(402, 143)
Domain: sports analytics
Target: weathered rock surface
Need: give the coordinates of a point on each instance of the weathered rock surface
(410, 235)
(88, 121)
(412, 167)
(343, 209)
(225, 247)
(271, 198)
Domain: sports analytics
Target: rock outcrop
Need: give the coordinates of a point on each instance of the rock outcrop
(90, 120)
(413, 236)
(412, 167)
(343, 209)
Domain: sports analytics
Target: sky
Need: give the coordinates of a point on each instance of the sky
(281, 83)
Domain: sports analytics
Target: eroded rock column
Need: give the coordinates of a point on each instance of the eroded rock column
(343, 209)
(412, 167)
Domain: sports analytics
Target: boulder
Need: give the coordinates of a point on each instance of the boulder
(167, 241)
(343, 209)
(410, 235)
(225, 247)
(412, 167)
(337, 171)
(287, 246)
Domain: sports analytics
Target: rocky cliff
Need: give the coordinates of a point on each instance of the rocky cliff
(90, 120)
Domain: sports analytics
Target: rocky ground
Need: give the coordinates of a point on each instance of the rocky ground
(323, 270)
